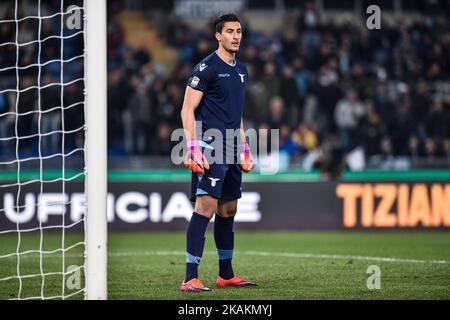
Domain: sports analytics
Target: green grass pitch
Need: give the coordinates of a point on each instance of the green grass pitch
(286, 265)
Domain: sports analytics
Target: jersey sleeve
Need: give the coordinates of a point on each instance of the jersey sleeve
(201, 77)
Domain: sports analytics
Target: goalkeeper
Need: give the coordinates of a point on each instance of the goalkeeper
(214, 96)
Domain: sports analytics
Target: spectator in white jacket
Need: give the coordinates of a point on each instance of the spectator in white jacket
(347, 115)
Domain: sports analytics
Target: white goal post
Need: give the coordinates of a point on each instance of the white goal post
(47, 146)
(96, 150)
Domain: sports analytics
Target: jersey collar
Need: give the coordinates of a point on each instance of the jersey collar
(230, 64)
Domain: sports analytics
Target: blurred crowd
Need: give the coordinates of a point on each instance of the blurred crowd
(41, 81)
(333, 89)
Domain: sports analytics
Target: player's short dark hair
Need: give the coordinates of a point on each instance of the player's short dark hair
(220, 20)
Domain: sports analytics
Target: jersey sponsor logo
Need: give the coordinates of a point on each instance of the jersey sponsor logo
(242, 77)
(213, 181)
(195, 81)
(223, 75)
(202, 67)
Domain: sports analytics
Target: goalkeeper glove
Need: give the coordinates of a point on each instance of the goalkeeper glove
(195, 160)
(247, 163)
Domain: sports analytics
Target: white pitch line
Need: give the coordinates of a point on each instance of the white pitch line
(343, 257)
(283, 254)
(263, 254)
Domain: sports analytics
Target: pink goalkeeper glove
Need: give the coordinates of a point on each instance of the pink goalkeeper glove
(195, 160)
(247, 163)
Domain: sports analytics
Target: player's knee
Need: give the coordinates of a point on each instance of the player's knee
(205, 211)
(206, 206)
(227, 211)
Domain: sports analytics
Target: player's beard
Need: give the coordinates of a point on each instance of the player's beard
(231, 49)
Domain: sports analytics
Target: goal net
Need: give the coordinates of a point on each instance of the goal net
(46, 246)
